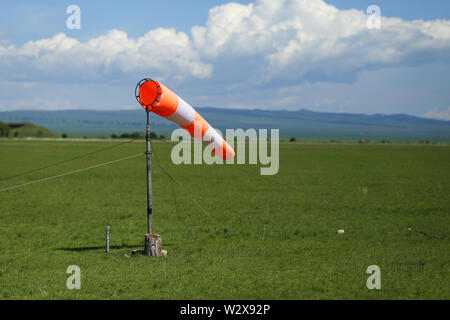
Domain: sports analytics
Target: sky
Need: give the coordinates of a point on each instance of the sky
(319, 55)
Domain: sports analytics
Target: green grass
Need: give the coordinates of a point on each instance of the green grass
(280, 240)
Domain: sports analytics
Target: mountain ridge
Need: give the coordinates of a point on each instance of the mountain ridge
(301, 124)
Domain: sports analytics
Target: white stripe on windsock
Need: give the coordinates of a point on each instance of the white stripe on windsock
(184, 115)
(213, 138)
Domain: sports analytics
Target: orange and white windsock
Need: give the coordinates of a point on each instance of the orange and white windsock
(159, 99)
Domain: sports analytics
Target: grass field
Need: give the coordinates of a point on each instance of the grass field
(280, 240)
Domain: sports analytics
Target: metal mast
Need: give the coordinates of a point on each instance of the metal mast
(149, 174)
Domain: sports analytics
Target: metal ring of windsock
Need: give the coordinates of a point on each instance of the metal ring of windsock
(159, 99)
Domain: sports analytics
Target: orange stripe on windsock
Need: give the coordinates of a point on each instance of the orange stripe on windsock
(227, 151)
(167, 104)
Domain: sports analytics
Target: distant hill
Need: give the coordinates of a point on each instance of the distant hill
(24, 129)
(302, 124)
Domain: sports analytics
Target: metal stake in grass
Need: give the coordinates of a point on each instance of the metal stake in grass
(107, 239)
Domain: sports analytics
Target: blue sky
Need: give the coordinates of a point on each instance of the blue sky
(30, 20)
(258, 54)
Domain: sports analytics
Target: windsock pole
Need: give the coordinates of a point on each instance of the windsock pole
(149, 174)
(153, 242)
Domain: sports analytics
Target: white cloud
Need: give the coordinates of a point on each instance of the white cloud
(295, 41)
(163, 52)
(435, 113)
(37, 103)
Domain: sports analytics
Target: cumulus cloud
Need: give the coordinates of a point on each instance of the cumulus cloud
(435, 113)
(259, 44)
(292, 41)
(162, 51)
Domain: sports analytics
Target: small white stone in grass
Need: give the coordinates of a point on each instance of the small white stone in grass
(164, 252)
(341, 231)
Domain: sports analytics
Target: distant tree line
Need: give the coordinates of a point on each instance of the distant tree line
(4, 130)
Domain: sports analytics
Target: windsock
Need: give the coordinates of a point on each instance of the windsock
(159, 99)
